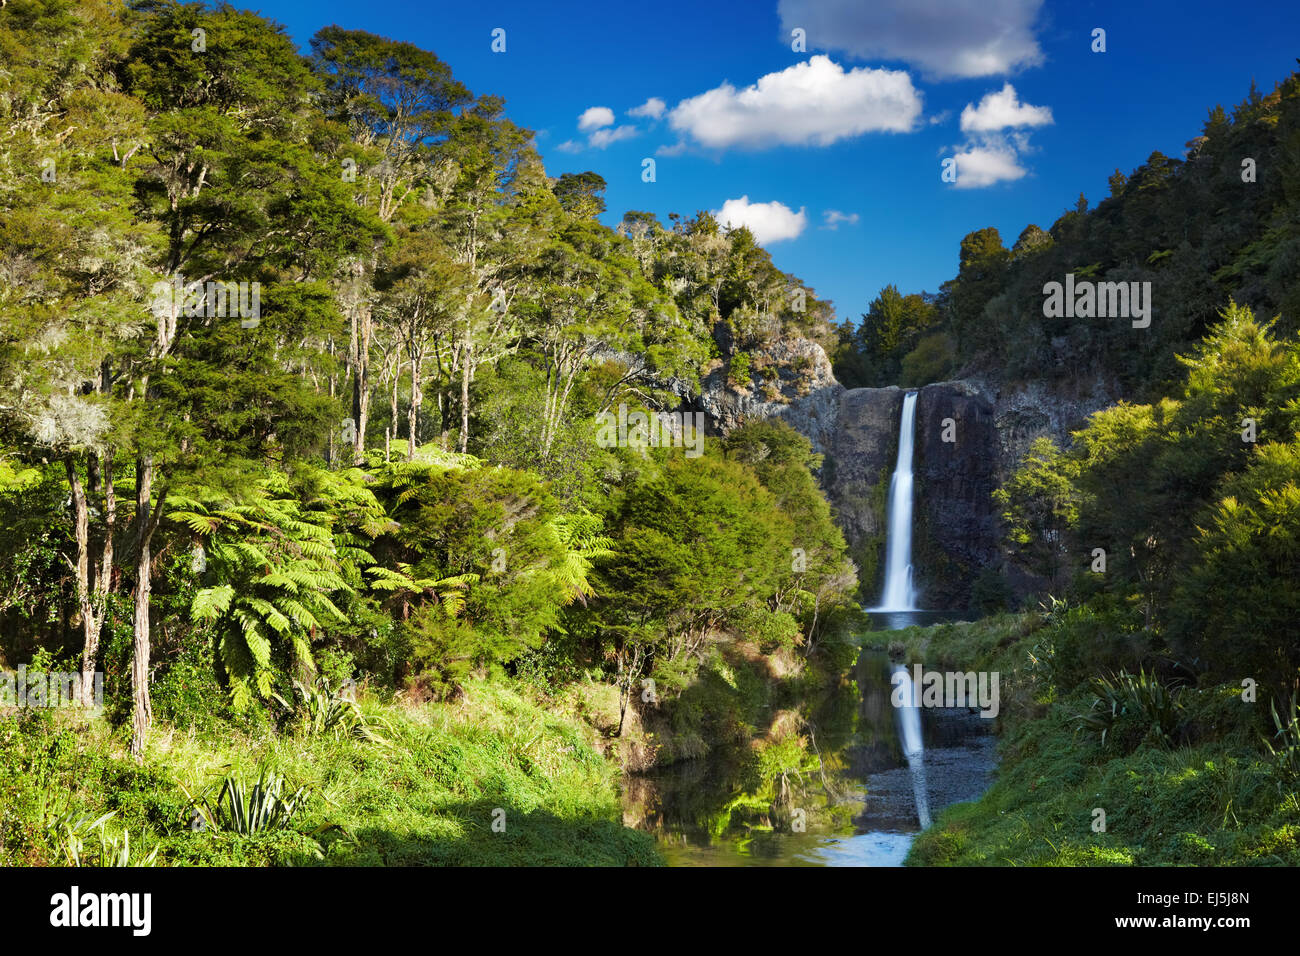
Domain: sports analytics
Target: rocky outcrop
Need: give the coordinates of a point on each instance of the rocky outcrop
(790, 379)
(1031, 410)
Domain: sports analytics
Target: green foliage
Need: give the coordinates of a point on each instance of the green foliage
(1234, 609)
(933, 360)
(447, 295)
(1141, 697)
(738, 370)
(325, 711)
(1284, 746)
(276, 568)
(71, 830)
(990, 593)
(1138, 476)
(891, 345)
(238, 806)
(1039, 504)
(1215, 799)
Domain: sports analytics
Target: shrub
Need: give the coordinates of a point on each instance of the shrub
(239, 807)
(1149, 705)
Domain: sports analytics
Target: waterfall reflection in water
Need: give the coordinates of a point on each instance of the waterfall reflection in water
(907, 711)
(865, 813)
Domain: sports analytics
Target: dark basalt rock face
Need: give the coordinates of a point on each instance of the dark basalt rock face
(955, 533)
(860, 451)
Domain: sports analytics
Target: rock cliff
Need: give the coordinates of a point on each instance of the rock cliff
(970, 435)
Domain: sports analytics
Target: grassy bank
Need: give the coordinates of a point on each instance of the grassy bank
(1187, 782)
(492, 779)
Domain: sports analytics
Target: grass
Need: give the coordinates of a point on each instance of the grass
(493, 779)
(1207, 793)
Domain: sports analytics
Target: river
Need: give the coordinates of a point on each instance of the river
(859, 806)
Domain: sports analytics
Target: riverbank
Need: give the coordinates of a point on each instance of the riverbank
(1192, 784)
(493, 779)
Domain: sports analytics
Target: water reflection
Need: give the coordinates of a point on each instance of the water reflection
(897, 620)
(907, 712)
(861, 798)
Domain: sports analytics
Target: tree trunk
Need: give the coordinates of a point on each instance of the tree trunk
(467, 350)
(391, 435)
(330, 453)
(413, 414)
(92, 595)
(81, 534)
(142, 717)
(361, 385)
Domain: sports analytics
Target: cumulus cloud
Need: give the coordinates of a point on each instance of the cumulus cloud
(1000, 110)
(993, 160)
(652, 108)
(595, 117)
(945, 38)
(598, 123)
(996, 138)
(768, 221)
(833, 217)
(817, 103)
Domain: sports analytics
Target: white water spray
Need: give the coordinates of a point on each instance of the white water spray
(899, 595)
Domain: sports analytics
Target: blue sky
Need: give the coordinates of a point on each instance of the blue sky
(859, 122)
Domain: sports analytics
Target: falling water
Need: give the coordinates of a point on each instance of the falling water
(898, 594)
(908, 716)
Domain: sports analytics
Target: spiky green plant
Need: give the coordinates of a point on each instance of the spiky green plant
(580, 534)
(1139, 695)
(278, 568)
(240, 807)
(71, 829)
(326, 711)
(1286, 751)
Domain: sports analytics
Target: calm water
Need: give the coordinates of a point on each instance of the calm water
(860, 805)
(896, 620)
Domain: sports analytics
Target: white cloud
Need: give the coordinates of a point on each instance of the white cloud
(595, 117)
(816, 102)
(569, 146)
(994, 144)
(833, 217)
(603, 137)
(993, 160)
(768, 221)
(676, 149)
(652, 108)
(945, 38)
(1000, 110)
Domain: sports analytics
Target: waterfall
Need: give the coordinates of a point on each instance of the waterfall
(908, 717)
(898, 594)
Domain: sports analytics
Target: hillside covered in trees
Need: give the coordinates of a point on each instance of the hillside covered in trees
(1224, 221)
(301, 363)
